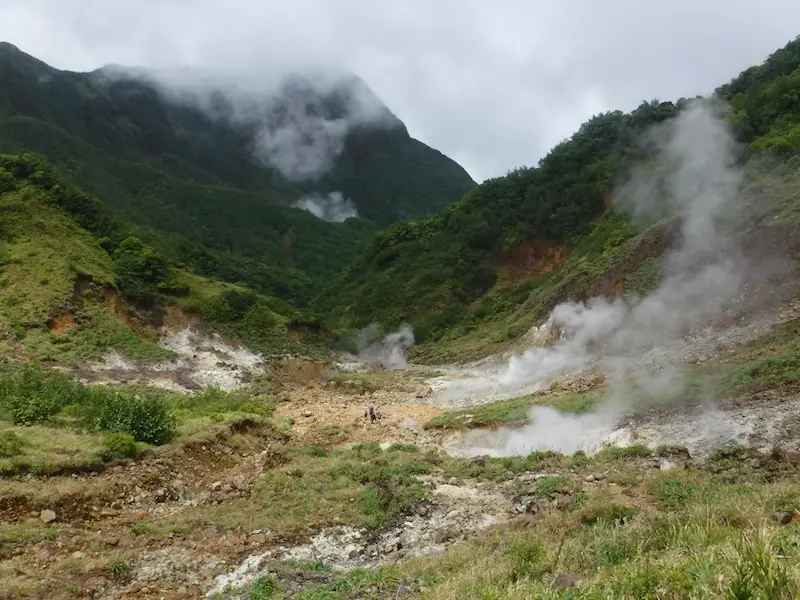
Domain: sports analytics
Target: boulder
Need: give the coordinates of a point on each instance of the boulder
(47, 516)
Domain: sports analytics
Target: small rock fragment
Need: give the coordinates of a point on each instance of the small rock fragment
(47, 516)
(667, 464)
(564, 581)
(423, 392)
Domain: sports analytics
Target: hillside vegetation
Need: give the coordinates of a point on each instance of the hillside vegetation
(478, 273)
(189, 184)
(74, 282)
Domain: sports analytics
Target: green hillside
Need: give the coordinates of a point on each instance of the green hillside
(190, 185)
(478, 273)
(69, 292)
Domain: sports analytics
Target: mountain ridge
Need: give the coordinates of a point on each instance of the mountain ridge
(189, 182)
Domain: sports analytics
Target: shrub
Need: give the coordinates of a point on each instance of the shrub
(121, 445)
(147, 418)
(528, 558)
(610, 514)
(141, 272)
(265, 587)
(10, 444)
(31, 397)
(120, 570)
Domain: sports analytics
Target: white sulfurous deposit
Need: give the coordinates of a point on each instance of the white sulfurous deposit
(201, 361)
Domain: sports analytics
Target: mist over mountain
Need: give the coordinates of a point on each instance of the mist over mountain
(209, 166)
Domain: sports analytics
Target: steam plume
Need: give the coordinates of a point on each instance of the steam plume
(694, 173)
(332, 207)
(389, 351)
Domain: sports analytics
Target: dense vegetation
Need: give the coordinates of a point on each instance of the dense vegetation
(161, 186)
(188, 185)
(442, 273)
(63, 257)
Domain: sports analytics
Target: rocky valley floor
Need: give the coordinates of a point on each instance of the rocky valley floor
(294, 493)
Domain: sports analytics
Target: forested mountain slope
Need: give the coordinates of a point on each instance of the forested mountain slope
(490, 264)
(209, 179)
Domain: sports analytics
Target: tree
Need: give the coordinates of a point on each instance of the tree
(140, 270)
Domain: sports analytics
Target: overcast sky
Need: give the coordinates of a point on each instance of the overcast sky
(494, 85)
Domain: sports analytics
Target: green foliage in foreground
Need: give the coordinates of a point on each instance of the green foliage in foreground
(34, 397)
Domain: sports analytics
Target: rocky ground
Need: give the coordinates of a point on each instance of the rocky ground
(145, 529)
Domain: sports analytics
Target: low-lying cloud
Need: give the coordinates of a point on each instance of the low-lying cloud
(332, 207)
(298, 123)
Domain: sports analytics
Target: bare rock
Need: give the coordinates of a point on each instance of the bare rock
(478, 461)
(216, 486)
(47, 516)
(258, 539)
(423, 392)
(671, 464)
(444, 535)
(565, 581)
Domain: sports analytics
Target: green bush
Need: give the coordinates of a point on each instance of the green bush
(610, 514)
(30, 397)
(121, 445)
(141, 272)
(673, 492)
(528, 558)
(265, 587)
(10, 444)
(147, 418)
(214, 401)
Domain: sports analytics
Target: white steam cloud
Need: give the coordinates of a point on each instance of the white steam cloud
(694, 173)
(389, 352)
(299, 124)
(331, 207)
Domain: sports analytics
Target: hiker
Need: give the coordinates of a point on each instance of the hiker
(370, 412)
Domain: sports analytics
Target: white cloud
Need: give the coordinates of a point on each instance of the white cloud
(494, 85)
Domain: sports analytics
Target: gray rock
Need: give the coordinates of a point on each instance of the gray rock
(670, 464)
(564, 581)
(444, 535)
(47, 516)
